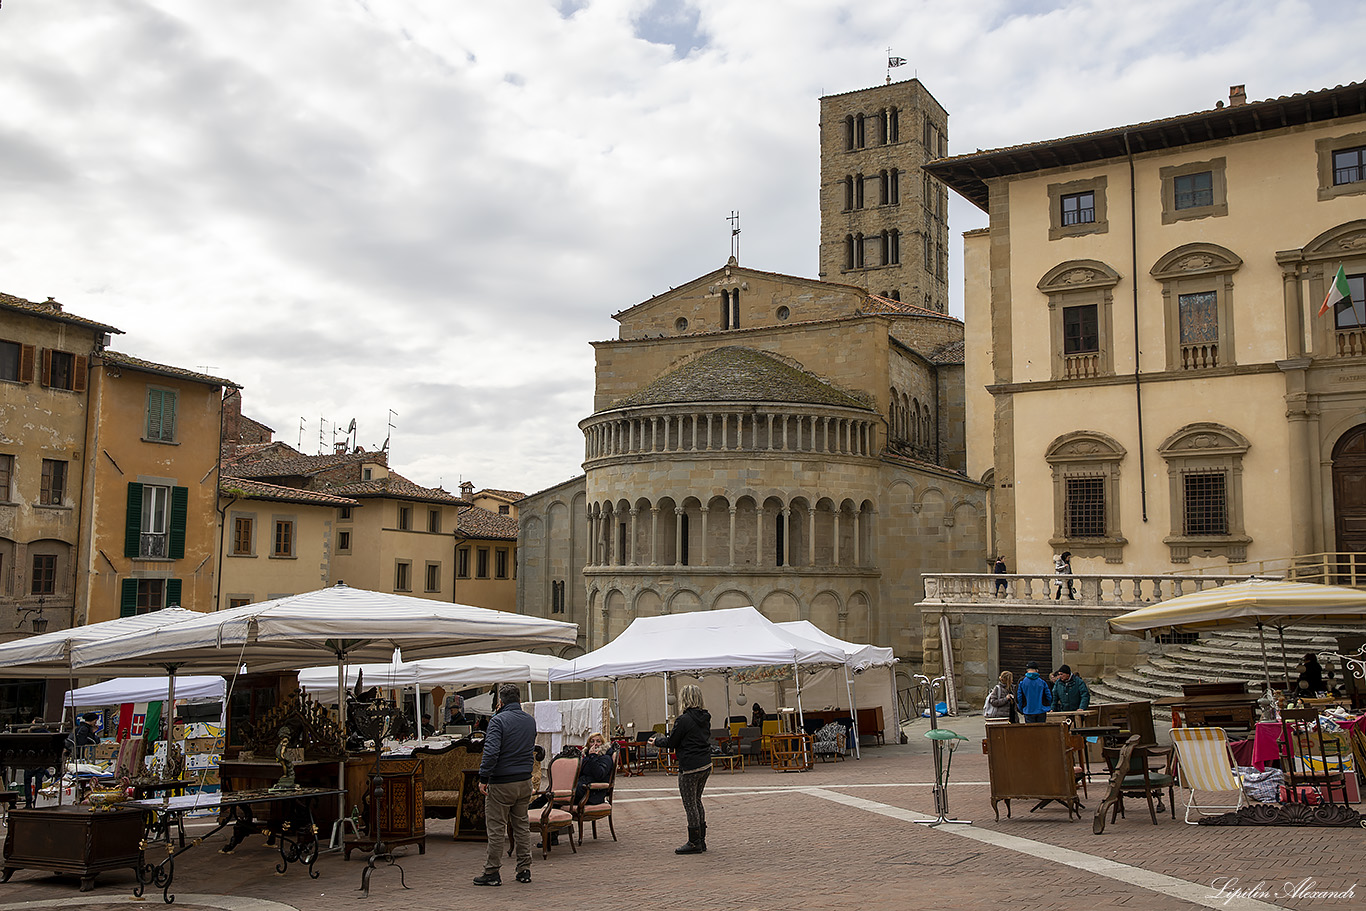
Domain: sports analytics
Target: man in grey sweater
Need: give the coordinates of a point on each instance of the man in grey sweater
(505, 782)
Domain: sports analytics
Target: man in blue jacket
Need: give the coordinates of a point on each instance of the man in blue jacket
(1033, 694)
(505, 782)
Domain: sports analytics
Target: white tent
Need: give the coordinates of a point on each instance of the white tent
(696, 643)
(148, 689)
(835, 685)
(49, 654)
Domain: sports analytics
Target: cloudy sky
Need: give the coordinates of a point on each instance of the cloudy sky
(433, 206)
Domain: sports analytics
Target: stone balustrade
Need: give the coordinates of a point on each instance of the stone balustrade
(1117, 590)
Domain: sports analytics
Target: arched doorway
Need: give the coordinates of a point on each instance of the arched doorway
(1349, 491)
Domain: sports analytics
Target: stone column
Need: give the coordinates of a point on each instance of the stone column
(811, 534)
(694, 432)
(858, 551)
(632, 533)
(592, 541)
(732, 537)
(759, 534)
(654, 535)
(787, 536)
(702, 557)
(838, 510)
(678, 536)
(771, 447)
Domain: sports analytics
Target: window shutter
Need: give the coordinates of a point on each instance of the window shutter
(154, 414)
(180, 502)
(173, 590)
(26, 353)
(132, 529)
(47, 366)
(128, 600)
(82, 367)
(168, 406)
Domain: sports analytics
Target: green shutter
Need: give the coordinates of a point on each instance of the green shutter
(168, 403)
(128, 601)
(173, 593)
(132, 531)
(154, 414)
(180, 504)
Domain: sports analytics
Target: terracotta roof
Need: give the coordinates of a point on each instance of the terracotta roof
(969, 173)
(180, 373)
(948, 353)
(475, 522)
(51, 309)
(884, 306)
(259, 490)
(292, 464)
(397, 487)
(578, 478)
(512, 496)
(734, 266)
(735, 374)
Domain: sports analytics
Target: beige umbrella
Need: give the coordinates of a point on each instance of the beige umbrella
(1256, 602)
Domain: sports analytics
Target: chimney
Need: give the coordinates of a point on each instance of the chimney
(53, 304)
(466, 490)
(1237, 94)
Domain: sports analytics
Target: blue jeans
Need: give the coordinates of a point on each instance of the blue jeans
(1035, 719)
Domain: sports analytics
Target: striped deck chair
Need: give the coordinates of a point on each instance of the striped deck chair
(1206, 764)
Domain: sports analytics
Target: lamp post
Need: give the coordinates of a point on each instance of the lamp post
(938, 737)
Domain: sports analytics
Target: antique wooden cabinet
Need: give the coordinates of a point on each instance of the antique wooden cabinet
(400, 808)
(77, 840)
(1033, 762)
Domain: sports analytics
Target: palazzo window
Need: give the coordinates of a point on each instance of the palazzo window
(1197, 291)
(1080, 299)
(1341, 165)
(1194, 190)
(1204, 471)
(1085, 466)
(1076, 208)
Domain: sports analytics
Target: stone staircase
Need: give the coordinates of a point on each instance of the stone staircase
(1225, 654)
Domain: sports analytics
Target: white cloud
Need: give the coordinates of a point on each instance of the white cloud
(434, 207)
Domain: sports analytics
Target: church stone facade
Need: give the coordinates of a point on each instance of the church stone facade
(762, 439)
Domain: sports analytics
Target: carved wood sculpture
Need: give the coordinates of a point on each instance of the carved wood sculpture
(310, 725)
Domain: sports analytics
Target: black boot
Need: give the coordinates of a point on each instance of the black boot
(702, 837)
(692, 846)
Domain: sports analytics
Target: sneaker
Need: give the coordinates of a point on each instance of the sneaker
(488, 879)
(523, 876)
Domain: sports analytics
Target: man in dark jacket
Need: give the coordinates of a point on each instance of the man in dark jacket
(505, 782)
(1069, 691)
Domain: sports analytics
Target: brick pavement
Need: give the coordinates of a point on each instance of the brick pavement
(778, 839)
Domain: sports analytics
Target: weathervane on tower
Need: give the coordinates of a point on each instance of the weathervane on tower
(734, 220)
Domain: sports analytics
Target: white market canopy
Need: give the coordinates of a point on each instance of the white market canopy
(340, 622)
(857, 657)
(148, 689)
(49, 654)
(1251, 603)
(696, 642)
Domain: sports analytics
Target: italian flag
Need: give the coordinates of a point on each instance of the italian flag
(1339, 294)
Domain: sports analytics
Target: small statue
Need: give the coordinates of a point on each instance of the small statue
(286, 761)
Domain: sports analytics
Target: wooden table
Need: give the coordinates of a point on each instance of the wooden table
(729, 760)
(74, 839)
(630, 757)
(792, 753)
(296, 833)
(1099, 730)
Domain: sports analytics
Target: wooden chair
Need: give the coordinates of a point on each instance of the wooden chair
(583, 811)
(1077, 745)
(1206, 764)
(555, 815)
(1131, 775)
(1310, 760)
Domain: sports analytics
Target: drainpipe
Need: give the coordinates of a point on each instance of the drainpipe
(85, 510)
(223, 512)
(1133, 281)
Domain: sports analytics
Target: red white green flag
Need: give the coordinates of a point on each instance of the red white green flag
(1339, 294)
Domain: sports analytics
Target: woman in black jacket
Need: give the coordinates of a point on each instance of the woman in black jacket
(691, 740)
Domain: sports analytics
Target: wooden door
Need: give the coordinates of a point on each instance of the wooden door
(1016, 646)
(1349, 491)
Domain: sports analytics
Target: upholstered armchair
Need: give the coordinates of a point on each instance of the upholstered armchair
(828, 742)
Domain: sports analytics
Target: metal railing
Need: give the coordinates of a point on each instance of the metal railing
(1326, 569)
